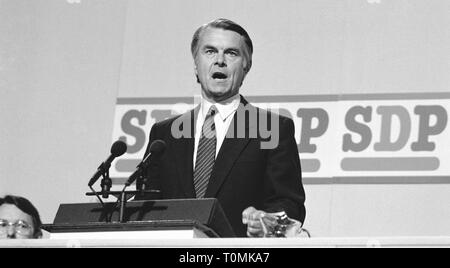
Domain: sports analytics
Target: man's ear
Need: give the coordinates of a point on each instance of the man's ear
(248, 67)
(196, 73)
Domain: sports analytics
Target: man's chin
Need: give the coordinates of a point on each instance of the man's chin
(219, 95)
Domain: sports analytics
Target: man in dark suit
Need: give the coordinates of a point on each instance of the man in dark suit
(226, 148)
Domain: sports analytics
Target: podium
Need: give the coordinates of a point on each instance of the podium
(152, 219)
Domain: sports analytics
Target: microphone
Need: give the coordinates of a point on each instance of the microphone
(156, 148)
(117, 149)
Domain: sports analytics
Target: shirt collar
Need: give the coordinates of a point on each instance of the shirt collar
(225, 108)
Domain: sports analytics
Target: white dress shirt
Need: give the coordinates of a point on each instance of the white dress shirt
(222, 119)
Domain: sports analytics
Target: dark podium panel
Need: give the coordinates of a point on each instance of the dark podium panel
(161, 214)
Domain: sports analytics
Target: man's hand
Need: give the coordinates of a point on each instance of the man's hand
(252, 217)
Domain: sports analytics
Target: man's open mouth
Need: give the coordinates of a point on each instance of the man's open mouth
(219, 76)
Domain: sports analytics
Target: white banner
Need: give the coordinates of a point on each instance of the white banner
(384, 137)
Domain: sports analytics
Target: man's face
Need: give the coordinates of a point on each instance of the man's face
(220, 64)
(22, 227)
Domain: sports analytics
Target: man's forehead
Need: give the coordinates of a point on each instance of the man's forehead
(221, 37)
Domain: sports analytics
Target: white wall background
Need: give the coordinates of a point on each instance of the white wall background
(301, 47)
(63, 64)
(59, 70)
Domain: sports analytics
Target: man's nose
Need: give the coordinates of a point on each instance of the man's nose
(220, 59)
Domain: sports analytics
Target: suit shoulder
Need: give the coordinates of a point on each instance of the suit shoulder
(250, 107)
(167, 123)
(283, 119)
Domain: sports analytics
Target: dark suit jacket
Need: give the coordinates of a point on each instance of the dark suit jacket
(243, 175)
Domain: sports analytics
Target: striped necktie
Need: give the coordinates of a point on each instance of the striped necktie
(206, 154)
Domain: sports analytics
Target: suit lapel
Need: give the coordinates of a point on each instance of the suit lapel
(184, 150)
(228, 154)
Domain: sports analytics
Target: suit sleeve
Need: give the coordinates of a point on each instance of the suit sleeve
(283, 178)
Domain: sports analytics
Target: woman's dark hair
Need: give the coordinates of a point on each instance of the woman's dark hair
(27, 207)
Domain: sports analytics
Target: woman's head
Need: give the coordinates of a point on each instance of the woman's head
(19, 218)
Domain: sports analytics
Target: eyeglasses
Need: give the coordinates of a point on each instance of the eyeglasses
(20, 227)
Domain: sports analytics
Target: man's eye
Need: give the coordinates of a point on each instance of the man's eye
(209, 52)
(232, 53)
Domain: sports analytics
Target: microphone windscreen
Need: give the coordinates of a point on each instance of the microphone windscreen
(118, 148)
(157, 147)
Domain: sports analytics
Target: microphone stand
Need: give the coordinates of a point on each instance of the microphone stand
(106, 181)
(106, 184)
(122, 199)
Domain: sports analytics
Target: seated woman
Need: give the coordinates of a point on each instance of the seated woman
(19, 219)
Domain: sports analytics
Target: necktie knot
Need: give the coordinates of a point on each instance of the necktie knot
(211, 112)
